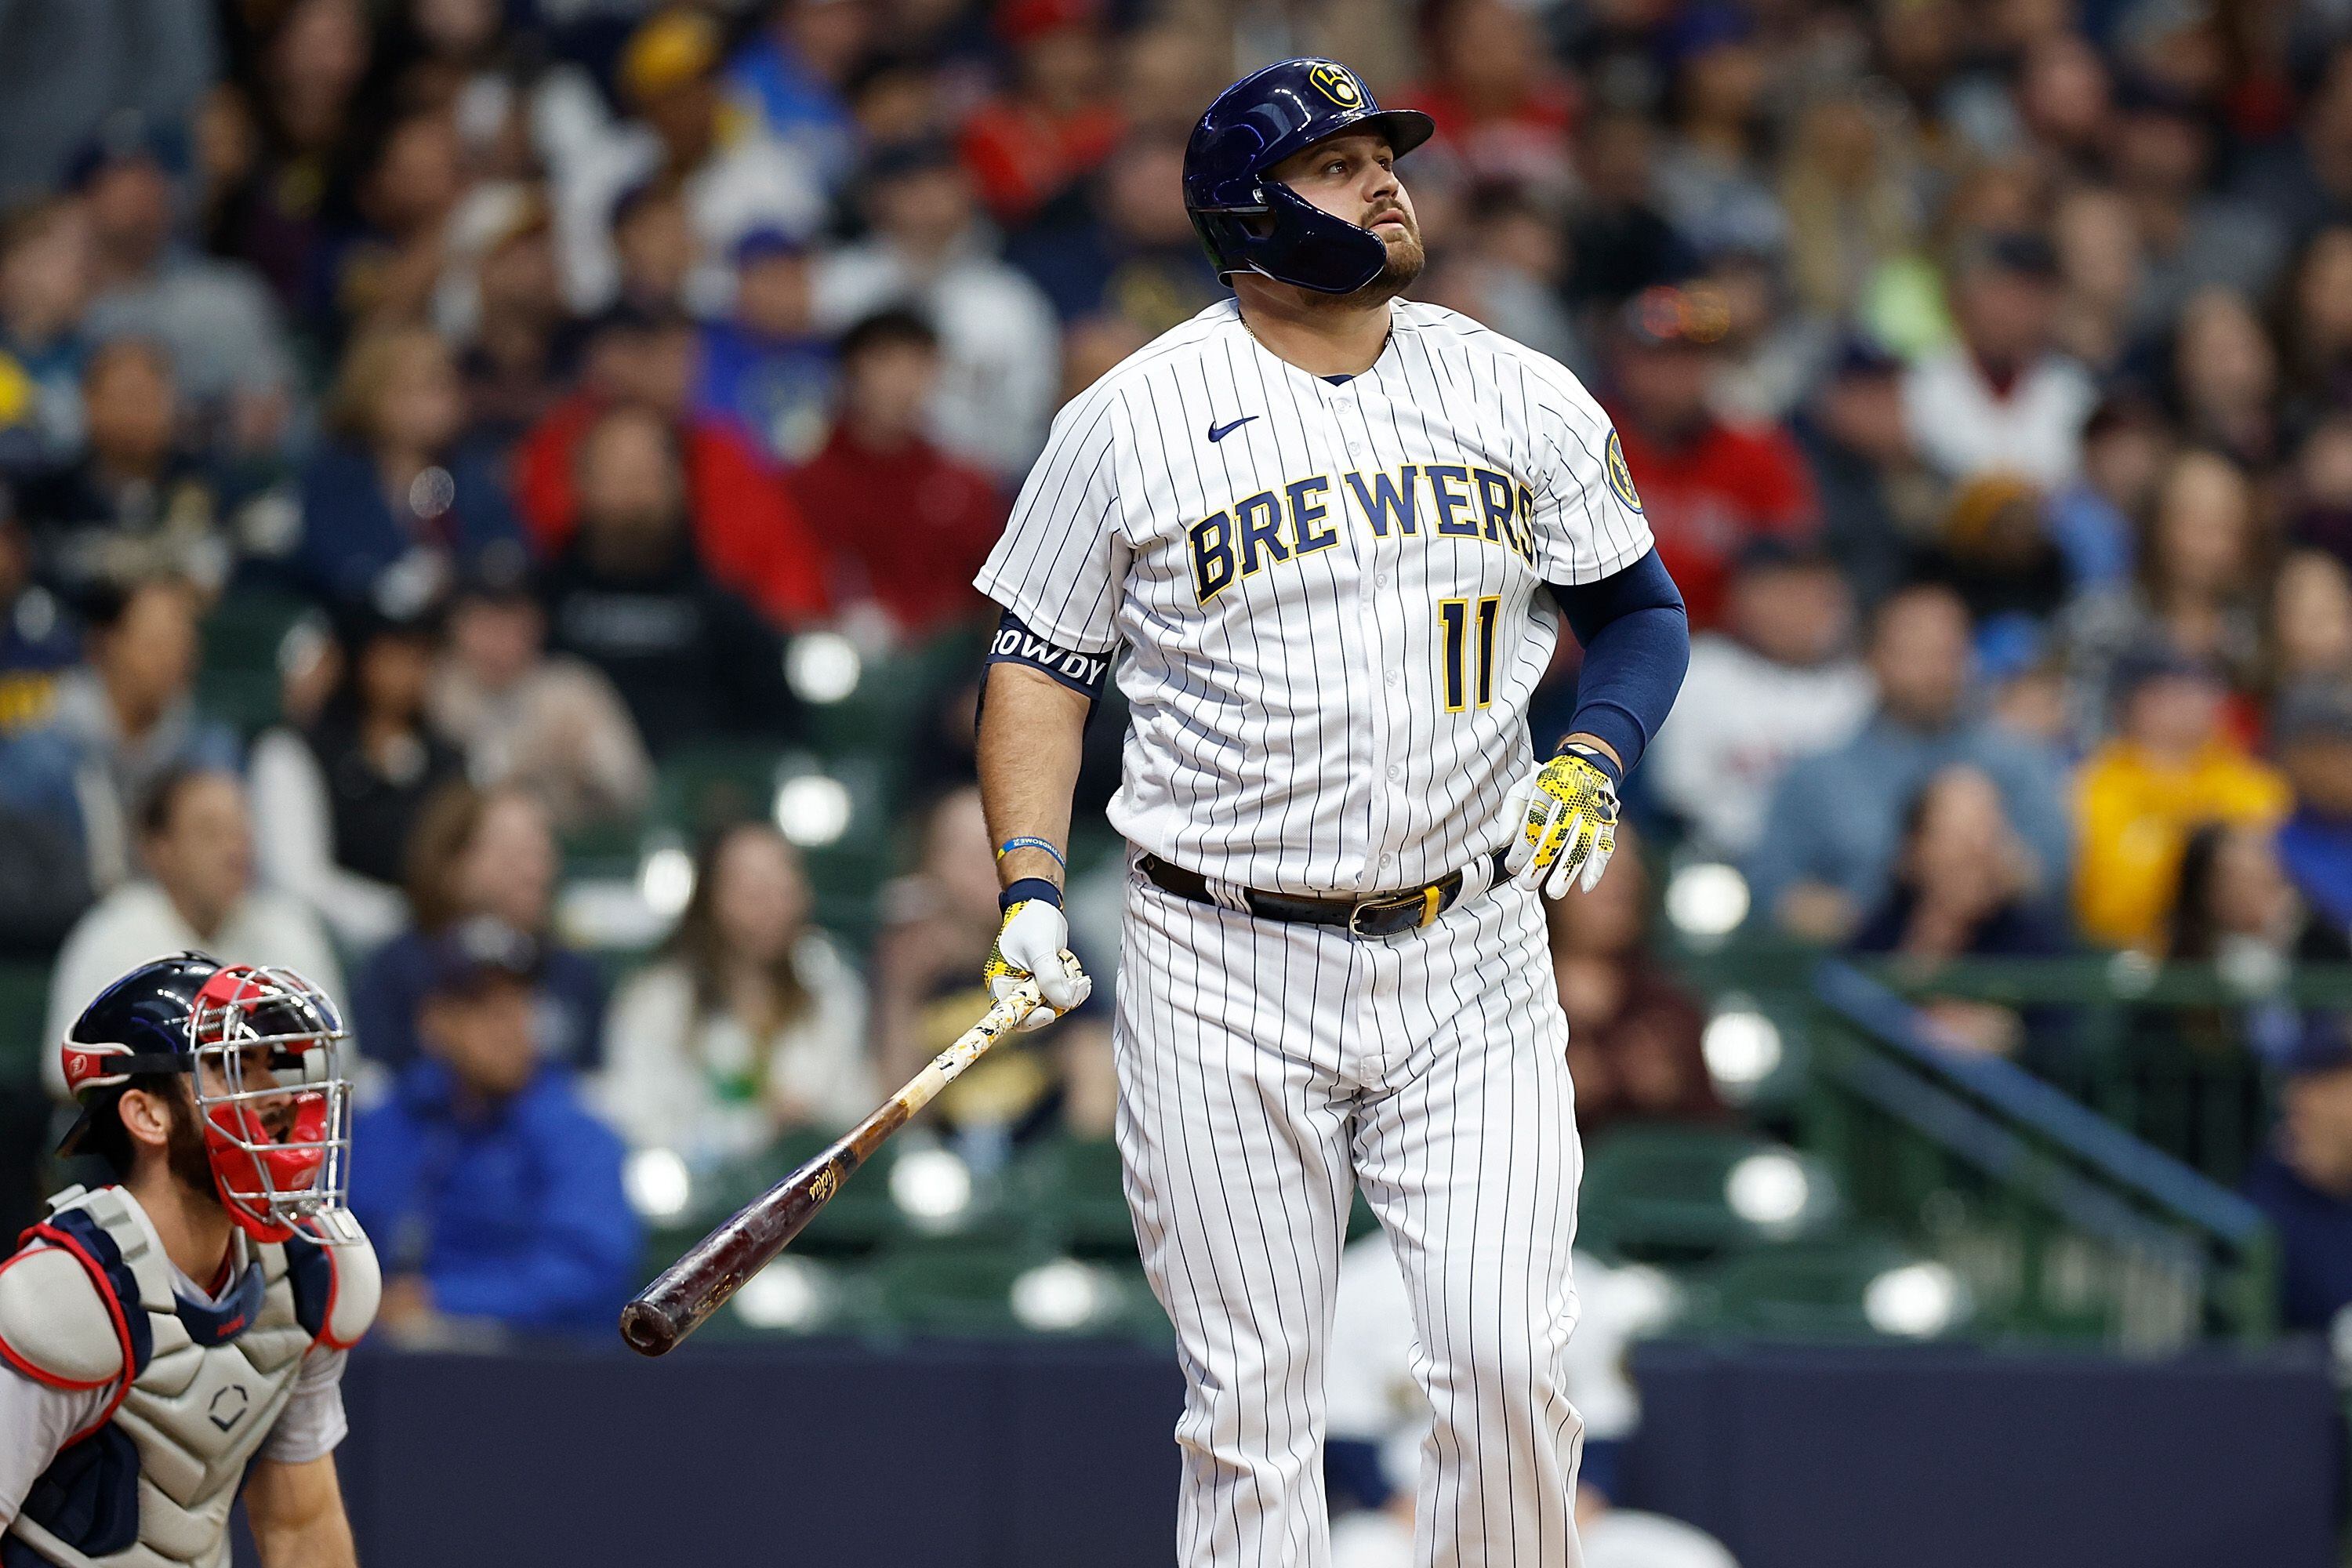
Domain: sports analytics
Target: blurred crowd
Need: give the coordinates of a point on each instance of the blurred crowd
(1985, 371)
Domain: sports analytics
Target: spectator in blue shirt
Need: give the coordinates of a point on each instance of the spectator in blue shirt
(1834, 827)
(2304, 1182)
(137, 501)
(790, 74)
(398, 487)
(489, 1189)
(767, 368)
(2090, 519)
(2312, 732)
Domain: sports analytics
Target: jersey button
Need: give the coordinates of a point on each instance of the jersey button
(1396, 770)
(1381, 581)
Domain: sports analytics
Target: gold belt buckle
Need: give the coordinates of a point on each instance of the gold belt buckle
(1428, 898)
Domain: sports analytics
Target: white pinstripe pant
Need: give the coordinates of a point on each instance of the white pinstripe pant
(1265, 1068)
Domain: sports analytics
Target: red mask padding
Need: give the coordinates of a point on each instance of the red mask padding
(250, 1167)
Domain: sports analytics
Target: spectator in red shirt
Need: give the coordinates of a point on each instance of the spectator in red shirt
(1037, 142)
(1707, 486)
(904, 527)
(747, 532)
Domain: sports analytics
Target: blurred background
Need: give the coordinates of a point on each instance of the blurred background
(489, 492)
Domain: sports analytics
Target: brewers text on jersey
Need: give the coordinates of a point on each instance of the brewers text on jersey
(1499, 515)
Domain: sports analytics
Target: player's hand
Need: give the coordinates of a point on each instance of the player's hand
(1563, 818)
(1036, 941)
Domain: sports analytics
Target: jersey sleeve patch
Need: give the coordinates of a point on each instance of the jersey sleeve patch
(1015, 643)
(58, 1326)
(1621, 477)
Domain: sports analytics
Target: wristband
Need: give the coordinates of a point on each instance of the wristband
(1010, 845)
(1593, 754)
(1028, 888)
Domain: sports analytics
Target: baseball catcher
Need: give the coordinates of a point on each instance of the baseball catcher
(178, 1334)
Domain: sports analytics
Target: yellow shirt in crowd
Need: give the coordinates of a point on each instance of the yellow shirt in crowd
(2134, 813)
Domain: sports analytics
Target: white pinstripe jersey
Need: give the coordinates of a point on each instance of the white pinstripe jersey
(1327, 593)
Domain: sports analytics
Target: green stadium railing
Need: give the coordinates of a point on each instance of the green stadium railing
(2061, 1221)
(2172, 1052)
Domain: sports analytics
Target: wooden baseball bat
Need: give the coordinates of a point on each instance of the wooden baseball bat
(699, 1283)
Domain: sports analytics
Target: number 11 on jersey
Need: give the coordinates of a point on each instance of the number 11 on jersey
(1454, 622)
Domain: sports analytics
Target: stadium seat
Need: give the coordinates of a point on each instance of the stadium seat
(1072, 1185)
(1680, 1193)
(704, 786)
(961, 1288)
(238, 680)
(608, 848)
(797, 1297)
(1807, 1291)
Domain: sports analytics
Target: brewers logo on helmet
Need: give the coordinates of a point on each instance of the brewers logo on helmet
(1337, 84)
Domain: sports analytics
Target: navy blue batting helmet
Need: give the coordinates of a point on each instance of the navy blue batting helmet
(1252, 224)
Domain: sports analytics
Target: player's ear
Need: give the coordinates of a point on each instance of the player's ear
(146, 1117)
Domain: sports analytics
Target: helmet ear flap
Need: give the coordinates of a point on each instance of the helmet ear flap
(1303, 244)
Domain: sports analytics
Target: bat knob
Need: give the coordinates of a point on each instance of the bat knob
(648, 1329)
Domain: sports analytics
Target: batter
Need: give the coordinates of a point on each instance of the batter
(1335, 535)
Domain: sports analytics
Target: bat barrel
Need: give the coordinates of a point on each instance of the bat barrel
(699, 1283)
(648, 1328)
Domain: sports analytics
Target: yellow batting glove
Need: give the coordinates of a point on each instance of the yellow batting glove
(1564, 817)
(1034, 939)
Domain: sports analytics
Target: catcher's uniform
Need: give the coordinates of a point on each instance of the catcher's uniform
(133, 1399)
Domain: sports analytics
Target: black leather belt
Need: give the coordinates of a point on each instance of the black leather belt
(1383, 915)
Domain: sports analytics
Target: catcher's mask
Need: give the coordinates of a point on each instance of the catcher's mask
(260, 1047)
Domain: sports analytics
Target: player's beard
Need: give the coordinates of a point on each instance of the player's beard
(185, 1149)
(1405, 260)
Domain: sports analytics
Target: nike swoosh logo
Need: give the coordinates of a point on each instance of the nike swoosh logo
(1219, 432)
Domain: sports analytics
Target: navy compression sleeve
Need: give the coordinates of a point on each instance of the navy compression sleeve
(1636, 640)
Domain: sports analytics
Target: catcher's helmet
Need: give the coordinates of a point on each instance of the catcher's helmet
(1251, 224)
(259, 1047)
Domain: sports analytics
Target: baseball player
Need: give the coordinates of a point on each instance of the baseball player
(1335, 534)
(180, 1334)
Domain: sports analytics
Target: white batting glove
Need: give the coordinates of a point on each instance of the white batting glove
(1036, 941)
(1563, 823)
